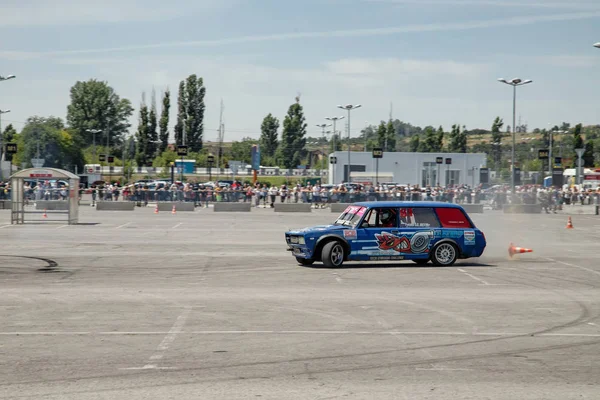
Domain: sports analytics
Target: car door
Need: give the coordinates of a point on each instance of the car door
(376, 237)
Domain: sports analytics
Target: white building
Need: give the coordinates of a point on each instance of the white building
(409, 168)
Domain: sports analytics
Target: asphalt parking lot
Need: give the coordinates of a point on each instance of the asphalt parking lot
(133, 305)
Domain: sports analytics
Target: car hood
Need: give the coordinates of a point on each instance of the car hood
(318, 229)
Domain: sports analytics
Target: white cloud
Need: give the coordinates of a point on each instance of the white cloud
(394, 67)
(568, 61)
(81, 12)
(433, 27)
(548, 4)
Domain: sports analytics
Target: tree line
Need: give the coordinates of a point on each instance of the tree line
(97, 124)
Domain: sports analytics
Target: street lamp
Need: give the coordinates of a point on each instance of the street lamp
(597, 45)
(5, 78)
(349, 107)
(1, 145)
(334, 119)
(323, 126)
(514, 83)
(93, 132)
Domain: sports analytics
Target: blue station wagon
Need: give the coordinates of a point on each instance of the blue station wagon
(397, 230)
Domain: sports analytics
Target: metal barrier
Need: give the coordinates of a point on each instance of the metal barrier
(115, 206)
(232, 207)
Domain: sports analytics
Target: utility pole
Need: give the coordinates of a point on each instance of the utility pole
(220, 140)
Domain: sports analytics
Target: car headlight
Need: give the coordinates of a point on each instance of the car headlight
(301, 240)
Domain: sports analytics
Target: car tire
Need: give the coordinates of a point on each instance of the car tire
(444, 254)
(304, 261)
(421, 262)
(333, 254)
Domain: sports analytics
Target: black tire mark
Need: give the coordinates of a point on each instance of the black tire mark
(52, 265)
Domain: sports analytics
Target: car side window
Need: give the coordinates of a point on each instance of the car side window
(426, 217)
(418, 218)
(370, 220)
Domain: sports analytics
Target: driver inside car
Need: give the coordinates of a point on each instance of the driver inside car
(387, 218)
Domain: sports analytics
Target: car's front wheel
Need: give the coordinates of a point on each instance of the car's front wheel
(304, 261)
(333, 254)
(444, 254)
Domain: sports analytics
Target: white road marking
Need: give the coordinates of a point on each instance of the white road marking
(443, 369)
(62, 226)
(177, 226)
(573, 265)
(170, 338)
(124, 225)
(337, 277)
(474, 277)
(173, 334)
(4, 226)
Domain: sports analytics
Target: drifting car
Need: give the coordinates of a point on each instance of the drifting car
(422, 232)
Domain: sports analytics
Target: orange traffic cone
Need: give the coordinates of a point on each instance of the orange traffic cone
(569, 224)
(174, 211)
(156, 209)
(45, 214)
(512, 250)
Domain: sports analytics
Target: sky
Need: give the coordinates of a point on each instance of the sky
(427, 62)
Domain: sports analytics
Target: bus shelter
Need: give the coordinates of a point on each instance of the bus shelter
(27, 206)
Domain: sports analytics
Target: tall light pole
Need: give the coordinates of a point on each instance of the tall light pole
(597, 45)
(1, 144)
(5, 78)
(514, 83)
(349, 107)
(334, 120)
(93, 132)
(323, 126)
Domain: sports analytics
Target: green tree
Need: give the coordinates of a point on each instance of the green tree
(429, 143)
(391, 136)
(577, 139)
(439, 141)
(152, 129)
(181, 114)
(95, 105)
(458, 140)
(56, 145)
(242, 151)
(414, 144)
(381, 136)
(194, 128)
(292, 147)
(588, 156)
(164, 121)
(142, 136)
(8, 136)
(268, 136)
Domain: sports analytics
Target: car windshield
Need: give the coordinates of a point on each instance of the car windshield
(351, 216)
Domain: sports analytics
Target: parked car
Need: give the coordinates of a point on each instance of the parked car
(422, 232)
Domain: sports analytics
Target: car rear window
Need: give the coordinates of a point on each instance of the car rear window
(452, 218)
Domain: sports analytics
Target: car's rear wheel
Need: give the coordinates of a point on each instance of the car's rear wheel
(304, 261)
(444, 254)
(421, 262)
(333, 254)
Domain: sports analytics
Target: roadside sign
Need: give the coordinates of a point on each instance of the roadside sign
(448, 161)
(11, 148)
(182, 150)
(378, 152)
(102, 157)
(543, 154)
(333, 160)
(439, 160)
(210, 160)
(111, 159)
(558, 160)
